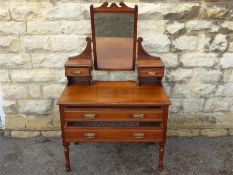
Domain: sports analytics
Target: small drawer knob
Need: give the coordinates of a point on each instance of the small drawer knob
(138, 116)
(138, 135)
(152, 73)
(89, 116)
(89, 135)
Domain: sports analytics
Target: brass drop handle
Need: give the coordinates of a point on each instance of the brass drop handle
(89, 116)
(138, 116)
(138, 135)
(152, 73)
(89, 135)
(77, 72)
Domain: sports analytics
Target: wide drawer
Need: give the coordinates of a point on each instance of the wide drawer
(113, 114)
(112, 134)
(77, 72)
(151, 72)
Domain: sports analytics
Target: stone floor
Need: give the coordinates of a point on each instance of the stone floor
(184, 156)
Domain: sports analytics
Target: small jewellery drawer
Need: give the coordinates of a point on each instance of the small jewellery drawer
(110, 134)
(113, 114)
(77, 72)
(151, 72)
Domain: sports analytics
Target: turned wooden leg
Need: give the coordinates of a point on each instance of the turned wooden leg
(67, 156)
(161, 154)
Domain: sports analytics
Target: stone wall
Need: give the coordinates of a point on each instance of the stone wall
(194, 39)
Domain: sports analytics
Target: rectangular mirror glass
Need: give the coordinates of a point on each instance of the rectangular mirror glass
(114, 38)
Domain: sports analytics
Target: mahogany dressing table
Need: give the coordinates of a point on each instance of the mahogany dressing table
(92, 111)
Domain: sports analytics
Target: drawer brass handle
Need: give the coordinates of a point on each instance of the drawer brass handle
(89, 116)
(138, 116)
(138, 135)
(89, 135)
(77, 72)
(152, 73)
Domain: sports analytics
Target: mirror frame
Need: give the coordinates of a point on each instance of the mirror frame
(114, 8)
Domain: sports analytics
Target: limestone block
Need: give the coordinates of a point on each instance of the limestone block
(38, 122)
(16, 46)
(10, 106)
(225, 90)
(168, 88)
(214, 11)
(183, 132)
(206, 75)
(203, 42)
(230, 47)
(10, 44)
(193, 105)
(228, 75)
(151, 26)
(51, 133)
(152, 11)
(24, 134)
(214, 132)
(13, 61)
(4, 12)
(15, 121)
(179, 74)
(44, 27)
(181, 90)
(101, 75)
(192, 121)
(70, 11)
(35, 90)
(224, 120)
(4, 76)
(186, 43)
(198, 59)
(56, 122)
(82, 27)
(196, 25)
(219, 43)
(157, 43)
(176, 105)
(123, 76)
(231, 132)
(21, 11)
(36, 43)
(53, 90)
(5, 41)
(227, 60)
(14, 91)
(166, 10)
(12, 28)
(68, 43)
(174, 27)
(228, 25)
(27, 106)
(41, 60)
(169, 59)
(217, 104)
(38, 75)
(201, 90)
(85, 9)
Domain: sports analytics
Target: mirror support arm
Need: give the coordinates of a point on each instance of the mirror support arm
(142, 54)
(87, 53)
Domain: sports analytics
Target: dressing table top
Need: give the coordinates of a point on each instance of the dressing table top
(114, 94)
